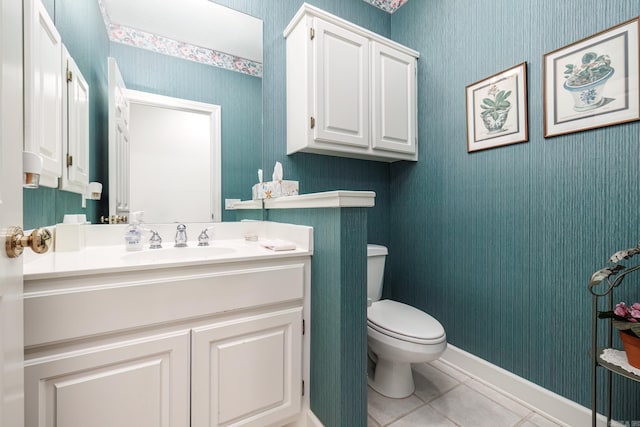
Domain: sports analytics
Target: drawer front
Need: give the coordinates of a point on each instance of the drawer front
(65, 314)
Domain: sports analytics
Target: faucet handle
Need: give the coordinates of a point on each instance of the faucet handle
(155, 242)
(203, 238)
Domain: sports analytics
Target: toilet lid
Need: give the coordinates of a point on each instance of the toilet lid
(404, 322)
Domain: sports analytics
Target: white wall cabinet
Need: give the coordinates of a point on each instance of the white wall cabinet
(43, 91)
(201, 345)
(75, 110)
(56, 100)
(350, 92)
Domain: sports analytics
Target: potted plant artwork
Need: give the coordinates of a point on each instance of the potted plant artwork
(627, 320)
(586, 81)
(495, 109)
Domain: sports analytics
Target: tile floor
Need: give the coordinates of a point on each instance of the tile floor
(446, 397)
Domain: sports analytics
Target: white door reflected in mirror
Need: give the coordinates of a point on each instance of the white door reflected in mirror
(174, 162)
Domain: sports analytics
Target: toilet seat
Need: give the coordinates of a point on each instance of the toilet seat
(404, 322)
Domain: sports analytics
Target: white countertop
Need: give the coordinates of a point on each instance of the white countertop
(101, 254)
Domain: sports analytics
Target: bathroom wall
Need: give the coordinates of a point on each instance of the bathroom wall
(499, 244)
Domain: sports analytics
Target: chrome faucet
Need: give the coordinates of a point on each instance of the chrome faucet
(155, 242)
(203, 238)
(181, 236)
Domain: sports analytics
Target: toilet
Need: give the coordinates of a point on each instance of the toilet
(397, 334)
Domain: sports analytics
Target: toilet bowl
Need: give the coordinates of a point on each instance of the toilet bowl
(397, 334)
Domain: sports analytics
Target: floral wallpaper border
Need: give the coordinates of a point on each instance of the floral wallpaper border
(387, 5)
(144, 40)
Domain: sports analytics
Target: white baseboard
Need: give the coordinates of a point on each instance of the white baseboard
(551, 405)
(312, 420)
(306, 419)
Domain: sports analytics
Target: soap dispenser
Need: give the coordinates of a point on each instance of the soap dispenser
(133, 233)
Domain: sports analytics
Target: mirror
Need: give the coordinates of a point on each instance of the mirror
(189, 187)
(160, 63)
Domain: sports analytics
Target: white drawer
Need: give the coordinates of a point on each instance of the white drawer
(131, 301)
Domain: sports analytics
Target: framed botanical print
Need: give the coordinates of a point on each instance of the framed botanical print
(497, 109)
(593, 82)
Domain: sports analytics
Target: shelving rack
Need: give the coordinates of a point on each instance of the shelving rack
(601, 285)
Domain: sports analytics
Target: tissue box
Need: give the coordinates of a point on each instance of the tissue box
(273, 189)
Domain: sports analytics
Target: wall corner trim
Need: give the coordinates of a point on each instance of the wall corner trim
(547, 403)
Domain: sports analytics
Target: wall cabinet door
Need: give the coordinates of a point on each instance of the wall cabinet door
(341, 61)
(247, 371)
(43, 91)
(393, 100)
(75, 177)
(142, 383)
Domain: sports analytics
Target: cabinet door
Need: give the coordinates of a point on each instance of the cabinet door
(247, 371)
(76, 131)
(341, 107)
(394, 100)
(43, 91)
(118, 142)
(122, 167)
(142, 383)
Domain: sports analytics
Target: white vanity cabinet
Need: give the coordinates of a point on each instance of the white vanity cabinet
(43, 91)
(75, 111)
(350, 92)
(197, 345)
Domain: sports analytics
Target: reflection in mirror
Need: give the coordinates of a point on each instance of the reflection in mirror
(174, 164)
(166, 65)
(230, 79)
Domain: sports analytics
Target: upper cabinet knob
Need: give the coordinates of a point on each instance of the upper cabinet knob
(39, 241)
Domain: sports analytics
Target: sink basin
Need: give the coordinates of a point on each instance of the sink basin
(177, 254)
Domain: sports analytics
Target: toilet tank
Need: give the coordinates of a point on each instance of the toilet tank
(376, 256)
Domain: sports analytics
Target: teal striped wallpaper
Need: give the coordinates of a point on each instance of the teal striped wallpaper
(338, 311)
(499, 245)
